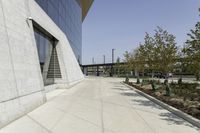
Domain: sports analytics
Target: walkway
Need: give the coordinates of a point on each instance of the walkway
(99, 105)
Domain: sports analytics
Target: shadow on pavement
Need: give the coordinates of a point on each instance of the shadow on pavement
(147, 103)
(118, 88)
(130, 94)
(173, 119)
(168, 116)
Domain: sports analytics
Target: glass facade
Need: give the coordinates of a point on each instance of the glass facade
(47, 53)
(44, 47)
(67, 15)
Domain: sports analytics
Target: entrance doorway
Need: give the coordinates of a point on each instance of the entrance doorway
(47, 53)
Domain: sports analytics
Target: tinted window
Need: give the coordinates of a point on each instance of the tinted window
(68, 16)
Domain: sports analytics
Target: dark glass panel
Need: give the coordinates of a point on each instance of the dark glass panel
(68, 16)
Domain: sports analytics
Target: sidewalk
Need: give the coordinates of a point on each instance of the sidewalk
(99, 105)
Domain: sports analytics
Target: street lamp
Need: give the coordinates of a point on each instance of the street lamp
(112, 69)
(93, 60)
(104, 59)
(113, 50)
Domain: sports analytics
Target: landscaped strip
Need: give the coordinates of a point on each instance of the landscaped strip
(175, 111)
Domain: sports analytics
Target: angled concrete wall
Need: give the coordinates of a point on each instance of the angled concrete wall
(70, 70)
(21, 83)
(21, 86)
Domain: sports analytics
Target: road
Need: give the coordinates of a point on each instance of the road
(99, 105)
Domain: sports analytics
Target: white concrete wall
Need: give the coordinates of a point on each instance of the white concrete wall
(21, 84)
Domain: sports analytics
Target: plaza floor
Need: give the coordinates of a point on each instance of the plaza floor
(99, 105)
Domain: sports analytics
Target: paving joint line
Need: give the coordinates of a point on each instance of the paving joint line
(64, 113)
(138, 114)
(101, 100)
(38, 123)
(84, 120)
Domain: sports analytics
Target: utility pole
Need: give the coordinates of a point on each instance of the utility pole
(112, 69)
(104, 59)
(93, 60)
(113, 50)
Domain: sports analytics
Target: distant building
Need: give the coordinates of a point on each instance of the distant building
(40, 51)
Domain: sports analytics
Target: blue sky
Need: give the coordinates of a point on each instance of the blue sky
(121, 24)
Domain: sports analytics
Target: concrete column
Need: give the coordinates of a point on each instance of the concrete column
(97, 70)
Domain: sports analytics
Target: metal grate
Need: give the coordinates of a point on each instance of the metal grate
(54, 67)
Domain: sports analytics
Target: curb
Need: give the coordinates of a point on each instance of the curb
(173, 110)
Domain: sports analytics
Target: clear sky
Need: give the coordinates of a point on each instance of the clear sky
(121, 24)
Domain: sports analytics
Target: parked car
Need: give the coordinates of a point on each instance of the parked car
(163, 75)
(170, 75)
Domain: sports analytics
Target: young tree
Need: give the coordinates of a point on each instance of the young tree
(140, 59)
(149, 52)
(127, 60)
(157, 53)
(192, 51)
(165, 53)
(118, 67)
(130, 61)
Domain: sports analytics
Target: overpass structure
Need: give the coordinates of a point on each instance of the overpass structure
(104, 69)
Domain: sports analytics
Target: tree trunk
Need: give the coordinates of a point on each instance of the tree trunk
(197, 77)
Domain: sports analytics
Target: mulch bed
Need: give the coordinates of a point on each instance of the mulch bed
(173, 101)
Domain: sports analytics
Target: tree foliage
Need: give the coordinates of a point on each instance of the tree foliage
(192, 51)
(165, 50)
(159, 52)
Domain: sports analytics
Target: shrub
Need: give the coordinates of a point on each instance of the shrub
(180, 81)
(138, 81)
(127, 79)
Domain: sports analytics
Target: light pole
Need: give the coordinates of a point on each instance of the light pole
(113, 50)
(112, 69)
(93, 60)
(104, 59)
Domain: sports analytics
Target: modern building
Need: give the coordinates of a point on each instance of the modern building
(40, 50)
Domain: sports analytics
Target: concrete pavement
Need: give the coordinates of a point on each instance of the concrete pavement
(99, 105)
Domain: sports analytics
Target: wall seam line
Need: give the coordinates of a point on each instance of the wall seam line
(9, 47)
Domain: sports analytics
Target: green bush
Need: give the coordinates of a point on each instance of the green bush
(186, 90)
(138, 81)
(180, 81)
(127, 79)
